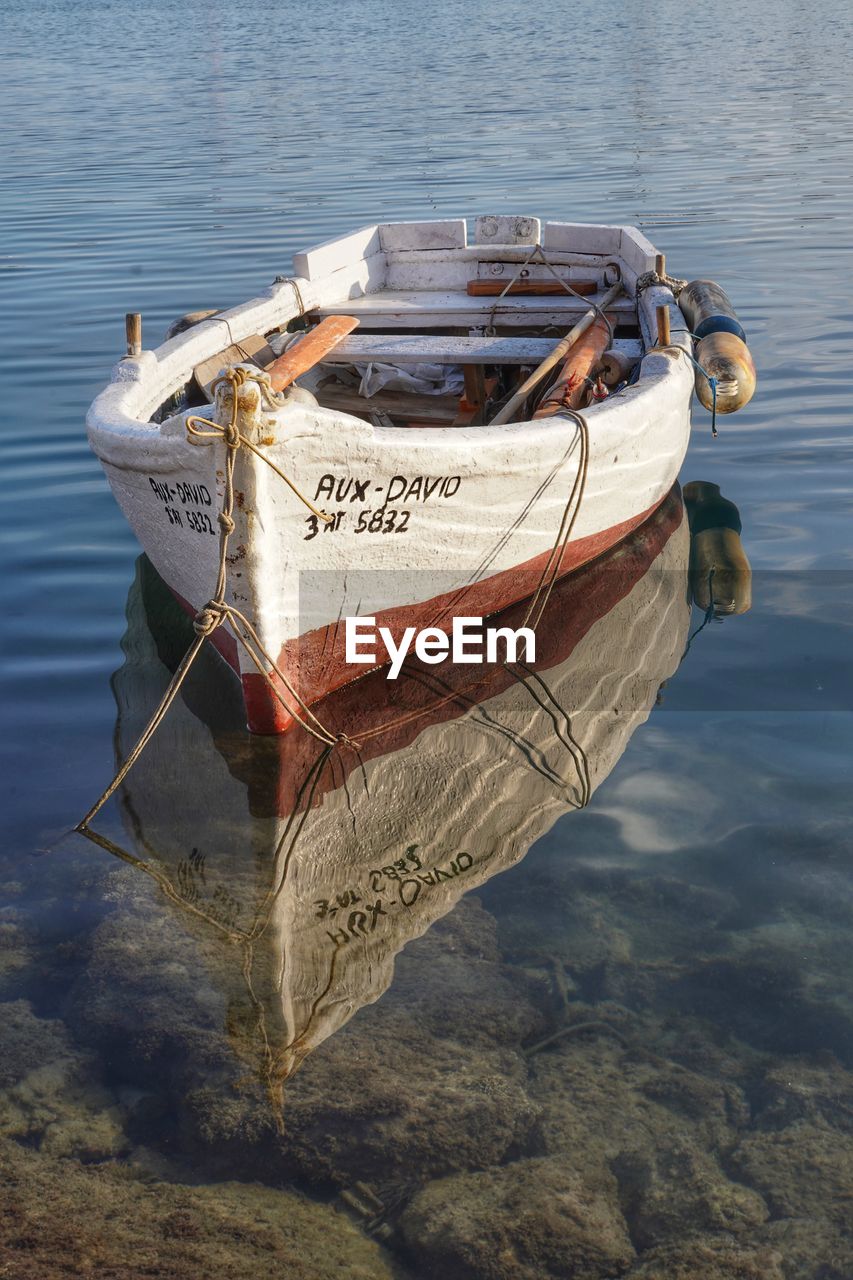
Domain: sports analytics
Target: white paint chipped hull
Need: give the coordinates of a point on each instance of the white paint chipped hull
(428, 523)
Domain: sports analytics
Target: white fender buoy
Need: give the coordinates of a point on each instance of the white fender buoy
(721, 348)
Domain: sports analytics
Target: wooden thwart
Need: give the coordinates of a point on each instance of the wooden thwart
(419, 348)
(428, 308)
(416, 348)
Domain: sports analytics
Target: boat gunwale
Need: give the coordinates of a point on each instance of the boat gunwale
(139, 385)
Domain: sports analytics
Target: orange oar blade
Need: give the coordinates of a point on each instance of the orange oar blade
(310, 350)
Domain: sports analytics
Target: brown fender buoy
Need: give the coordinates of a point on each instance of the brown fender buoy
(720, 573)
(707, 309)
(721, 348)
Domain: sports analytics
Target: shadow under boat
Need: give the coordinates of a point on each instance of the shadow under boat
(303, 871)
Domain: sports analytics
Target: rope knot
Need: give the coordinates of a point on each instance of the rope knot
(226, 524)
(210, 617)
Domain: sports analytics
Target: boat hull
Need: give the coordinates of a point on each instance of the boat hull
(426, 524)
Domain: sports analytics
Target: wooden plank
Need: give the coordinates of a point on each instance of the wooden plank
(531, 288)
(251, 350)
(449, 233)
(581, 237)
(453, 268)
(332, 255)
(309, 350)
(638, 253)
(454, 309)
(404, 348)
(399, 404)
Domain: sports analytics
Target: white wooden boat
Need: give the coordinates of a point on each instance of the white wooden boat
(303, 873)
(429, 521)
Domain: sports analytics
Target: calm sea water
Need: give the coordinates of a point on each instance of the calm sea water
(695, 916)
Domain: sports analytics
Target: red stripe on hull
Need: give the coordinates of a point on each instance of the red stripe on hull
(283, 774)
(315, 663)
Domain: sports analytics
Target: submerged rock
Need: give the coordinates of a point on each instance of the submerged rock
(530, 1220)
(48, 1098)
(709, 1258)
(678, 1190)
(804, 1170)
(60, 1218)
(384, 1100)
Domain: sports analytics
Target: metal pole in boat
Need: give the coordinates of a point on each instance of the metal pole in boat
(133, 329)
(559, 353)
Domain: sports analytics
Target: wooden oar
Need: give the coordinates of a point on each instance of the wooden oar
(568, 391)
(310, 350)
(561, 350)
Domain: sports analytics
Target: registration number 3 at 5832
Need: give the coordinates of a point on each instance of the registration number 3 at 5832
(382, 520)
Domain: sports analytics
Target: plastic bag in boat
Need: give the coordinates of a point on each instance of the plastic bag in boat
(425, 379)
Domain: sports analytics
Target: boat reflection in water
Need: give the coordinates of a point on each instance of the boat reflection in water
(303, 871)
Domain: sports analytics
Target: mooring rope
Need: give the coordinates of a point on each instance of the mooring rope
(217, 610)
(650, 278)
(551, 571)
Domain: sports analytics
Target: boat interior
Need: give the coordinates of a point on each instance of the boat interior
(428, 329)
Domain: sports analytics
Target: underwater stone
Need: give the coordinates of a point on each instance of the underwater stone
(706, 1258)
(531, 1220)
(48, 1097)
(64, 1218)
(802, 1170)
(386, 1100)
(678, 1190)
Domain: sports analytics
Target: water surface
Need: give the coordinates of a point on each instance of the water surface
(696, 913)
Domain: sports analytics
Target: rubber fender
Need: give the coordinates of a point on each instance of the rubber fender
(187, 322)
(720, 573)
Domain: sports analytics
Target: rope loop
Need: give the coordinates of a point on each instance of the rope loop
(649, 278)
(709, 378)
(211, 616)
(217, 611)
